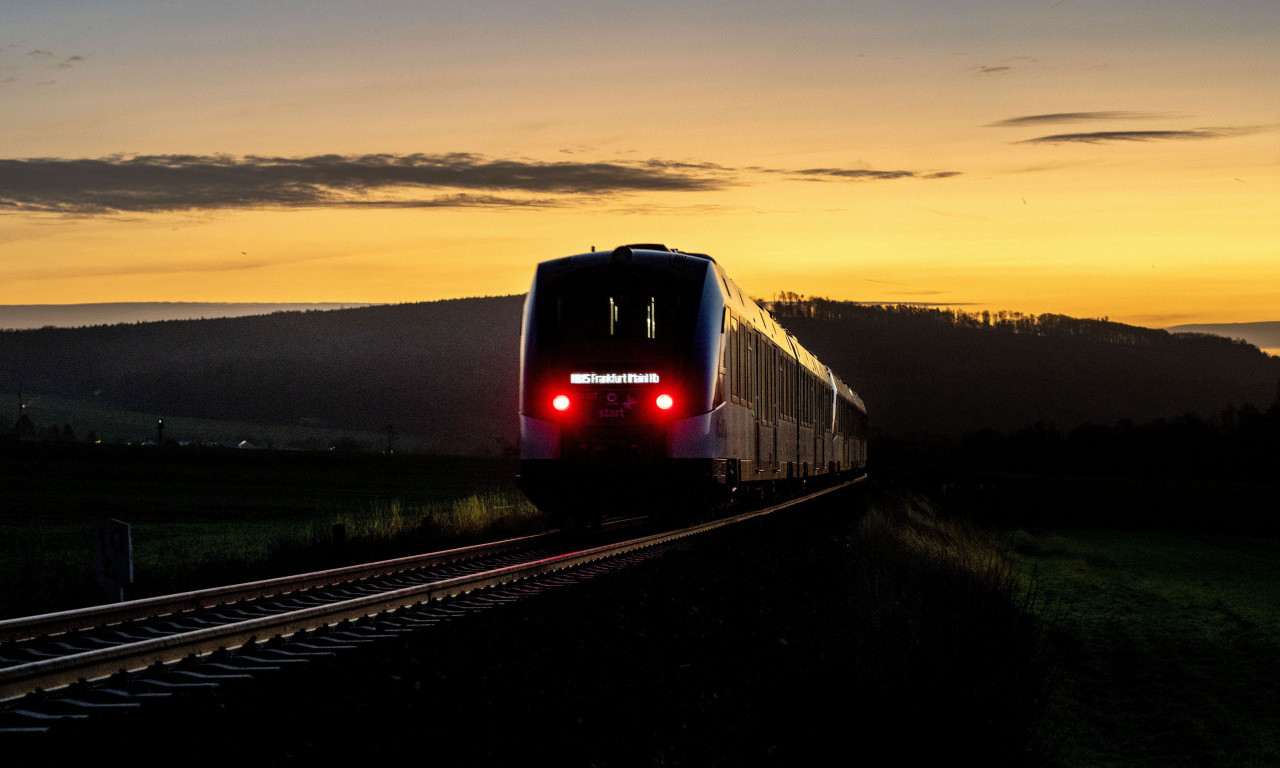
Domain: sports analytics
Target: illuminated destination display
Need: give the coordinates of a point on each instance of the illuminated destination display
(613, 378)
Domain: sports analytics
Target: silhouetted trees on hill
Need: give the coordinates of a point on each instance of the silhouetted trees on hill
(443, 371)
(939, 371)
(794, 305)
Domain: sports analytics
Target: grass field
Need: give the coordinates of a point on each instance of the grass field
(205, 516)
(91, 420)
(1171, 646)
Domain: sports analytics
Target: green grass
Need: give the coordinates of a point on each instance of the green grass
(1074, 646)
(204, 517)
(1171, 646)
(950, 645)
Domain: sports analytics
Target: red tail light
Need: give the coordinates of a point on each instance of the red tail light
(560, 402)
(664, 402)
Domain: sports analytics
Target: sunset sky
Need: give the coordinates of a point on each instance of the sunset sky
(1094, 158)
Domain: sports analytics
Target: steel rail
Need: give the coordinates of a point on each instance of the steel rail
(51, 674)
(29, 627)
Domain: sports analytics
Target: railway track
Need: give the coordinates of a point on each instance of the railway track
(58, 670)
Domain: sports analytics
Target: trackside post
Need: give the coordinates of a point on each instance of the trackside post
(113, 558)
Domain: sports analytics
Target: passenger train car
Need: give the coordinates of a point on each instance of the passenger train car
(647, 377)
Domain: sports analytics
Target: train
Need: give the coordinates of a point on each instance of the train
(648, 378)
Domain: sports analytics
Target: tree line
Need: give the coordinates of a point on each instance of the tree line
(794, 305)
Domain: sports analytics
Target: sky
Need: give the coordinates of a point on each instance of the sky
(1116, 158)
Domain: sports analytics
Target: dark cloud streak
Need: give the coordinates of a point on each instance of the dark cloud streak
(167, 183)
(1072, 117)
(1100, 137)
(868, 175)
(159, 183)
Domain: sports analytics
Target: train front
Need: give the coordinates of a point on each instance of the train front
(619, 361)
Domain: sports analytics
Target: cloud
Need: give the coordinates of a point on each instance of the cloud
(1101, 137)
(459, 200)
(858, 174)
(993, 70)
(166, 183)
(1073, 117)
(160, 183)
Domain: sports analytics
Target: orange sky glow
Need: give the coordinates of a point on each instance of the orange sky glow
(1070, 157)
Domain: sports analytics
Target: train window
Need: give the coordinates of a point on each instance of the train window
(779, 381)
(773, 384)
(801, 399)
(808, 399)
(633, 317)
(766, 388)
(791, 388)
(828, 406)
(760, 383)
(762, 380)
(735, 379)
(785, 395)
(626, 319)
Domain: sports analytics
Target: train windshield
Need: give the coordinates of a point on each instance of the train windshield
(612, 319)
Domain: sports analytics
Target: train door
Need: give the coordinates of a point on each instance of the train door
(822, 425)
(740, 431)
(766, 432)
(764, 379)
(815, 416)
(775, 382)
(792, 398)
(753, 370)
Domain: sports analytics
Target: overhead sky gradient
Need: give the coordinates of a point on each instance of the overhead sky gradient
(1085, 157)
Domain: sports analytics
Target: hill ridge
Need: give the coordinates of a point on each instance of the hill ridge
(32, 316)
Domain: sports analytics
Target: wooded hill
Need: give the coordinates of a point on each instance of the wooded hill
(943, 371)
(446, 372)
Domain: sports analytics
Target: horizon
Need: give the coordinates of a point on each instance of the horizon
(1067, 157)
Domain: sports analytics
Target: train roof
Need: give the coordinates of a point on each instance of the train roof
(656, 254)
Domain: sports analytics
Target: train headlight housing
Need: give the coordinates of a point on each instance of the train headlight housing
(664, 402)
(560, 403)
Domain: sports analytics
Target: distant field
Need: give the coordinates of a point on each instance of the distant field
(205, 516)
(89, 417)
